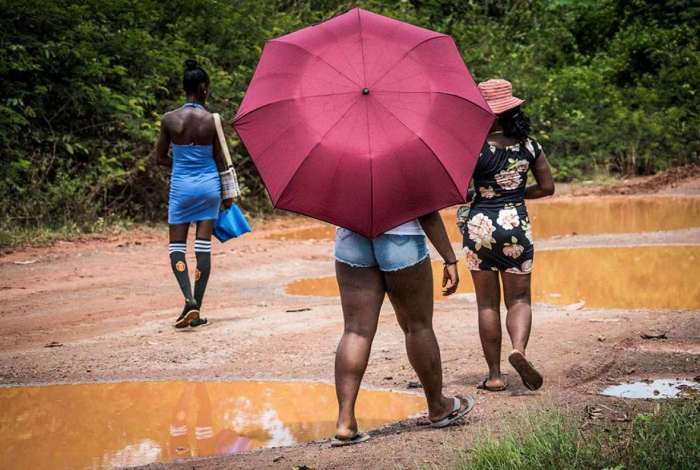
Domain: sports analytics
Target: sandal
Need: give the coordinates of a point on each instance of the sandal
(356, 439)
(459, 410)
(482, 386)
(531, 378)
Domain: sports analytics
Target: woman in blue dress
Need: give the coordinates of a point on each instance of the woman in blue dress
(189, 135)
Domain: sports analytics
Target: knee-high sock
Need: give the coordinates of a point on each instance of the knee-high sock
(179, 265)
(202, 250)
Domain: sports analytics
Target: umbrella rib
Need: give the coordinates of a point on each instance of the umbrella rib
(340, 48)
(446, 93)
(290, 99)
(319, 58)
(362, 45)
(389, 69)
(454, 183)
(369, 142)
(296, 170)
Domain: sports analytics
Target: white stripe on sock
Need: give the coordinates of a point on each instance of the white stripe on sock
(180, 247)
(202, 245)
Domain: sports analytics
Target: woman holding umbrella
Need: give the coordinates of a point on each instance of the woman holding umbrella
(397, 264)
(360, 121)
(498, 234)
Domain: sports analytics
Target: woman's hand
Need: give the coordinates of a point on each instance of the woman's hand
(226, 203)
(450, 279)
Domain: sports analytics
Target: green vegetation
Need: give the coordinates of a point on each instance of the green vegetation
(666, 439)
(612, 88)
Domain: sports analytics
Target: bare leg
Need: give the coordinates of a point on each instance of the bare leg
(361, 296)
(488, 299)
(516, 293)
(516, 290)
(178, 232)
(411, 293)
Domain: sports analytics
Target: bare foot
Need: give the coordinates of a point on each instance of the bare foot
(346, 429)
(444, 410)
(493, 384)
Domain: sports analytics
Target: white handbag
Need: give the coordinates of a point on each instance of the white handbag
(229, 180)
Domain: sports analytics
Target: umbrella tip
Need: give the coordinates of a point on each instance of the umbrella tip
(365, 91)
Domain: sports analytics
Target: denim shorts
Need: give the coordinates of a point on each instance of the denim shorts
(386, 252)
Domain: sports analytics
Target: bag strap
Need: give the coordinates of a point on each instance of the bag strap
(222, 140)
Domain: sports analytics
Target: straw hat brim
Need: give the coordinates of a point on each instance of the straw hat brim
(502, 105)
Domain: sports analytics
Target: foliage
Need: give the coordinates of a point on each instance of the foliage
(611, 87)
(668, 438)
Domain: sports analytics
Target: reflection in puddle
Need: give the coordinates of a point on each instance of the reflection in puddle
(658, 277)
(571, 216)
(660, 388)
(136, 423)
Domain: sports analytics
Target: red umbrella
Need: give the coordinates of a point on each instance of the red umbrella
(363, 121)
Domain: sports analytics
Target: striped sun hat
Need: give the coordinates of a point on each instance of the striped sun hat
(498, 93)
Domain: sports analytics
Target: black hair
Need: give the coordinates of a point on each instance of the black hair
(193, 77)
(515, 124)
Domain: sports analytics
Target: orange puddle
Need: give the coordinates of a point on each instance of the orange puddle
(570, 216)
(136, 423)
(658, 277)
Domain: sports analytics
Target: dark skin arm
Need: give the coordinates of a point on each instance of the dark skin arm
(435, 230)
(544, 181)
(162, 153)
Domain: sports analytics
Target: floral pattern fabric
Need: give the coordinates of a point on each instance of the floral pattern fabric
(497, 230)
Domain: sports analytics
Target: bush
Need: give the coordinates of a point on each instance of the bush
(611, 87)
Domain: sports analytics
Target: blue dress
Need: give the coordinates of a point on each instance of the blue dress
(195, 187)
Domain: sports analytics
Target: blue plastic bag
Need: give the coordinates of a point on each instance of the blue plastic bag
(230, 224)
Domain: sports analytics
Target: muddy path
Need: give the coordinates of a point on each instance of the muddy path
(101, 310)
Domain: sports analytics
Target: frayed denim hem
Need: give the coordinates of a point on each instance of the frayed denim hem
(427, 255)
(354, 265)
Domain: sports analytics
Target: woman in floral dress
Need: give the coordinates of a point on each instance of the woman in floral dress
(498, 235)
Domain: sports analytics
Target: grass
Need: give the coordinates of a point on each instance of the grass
(668, 438)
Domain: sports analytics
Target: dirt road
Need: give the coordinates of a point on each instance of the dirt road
(109, 304)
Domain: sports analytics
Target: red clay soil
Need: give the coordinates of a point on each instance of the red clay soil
(110, 303)
(665, 181)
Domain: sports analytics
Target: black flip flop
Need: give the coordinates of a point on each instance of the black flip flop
(356, 439)
(482, 386)
(531, 378)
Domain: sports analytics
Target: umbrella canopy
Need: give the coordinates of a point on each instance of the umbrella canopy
(363, 121)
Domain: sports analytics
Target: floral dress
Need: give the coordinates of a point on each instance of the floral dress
(497, 231)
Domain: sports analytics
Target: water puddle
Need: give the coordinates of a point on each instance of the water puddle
(570, 216)
(655, 277)
(653, 389)
(136, 423)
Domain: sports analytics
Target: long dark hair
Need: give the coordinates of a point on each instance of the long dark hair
(194, 77)
(515, 124)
